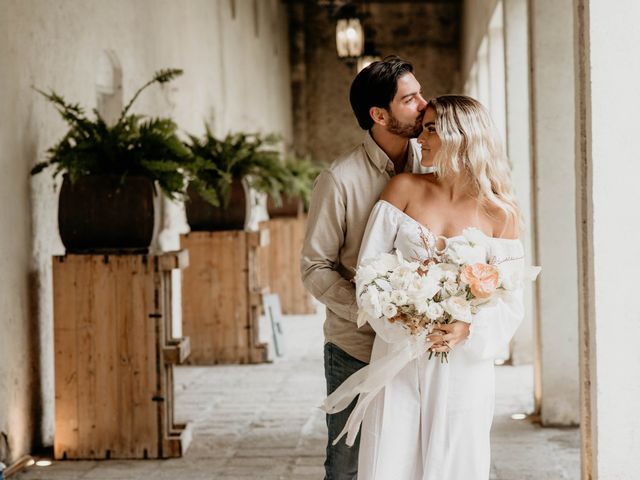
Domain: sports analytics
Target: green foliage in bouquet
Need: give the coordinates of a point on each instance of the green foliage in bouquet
(135, 145)
(218, 162)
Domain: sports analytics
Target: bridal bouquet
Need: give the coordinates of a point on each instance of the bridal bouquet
(419, 294)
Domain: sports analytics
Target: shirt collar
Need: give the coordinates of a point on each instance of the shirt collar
(382, 161)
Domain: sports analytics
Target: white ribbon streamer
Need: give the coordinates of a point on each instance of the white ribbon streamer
(368, 381)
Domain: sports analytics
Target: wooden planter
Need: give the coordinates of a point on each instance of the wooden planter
(100, 213)
(114, 357)
(281, 262)
(291, 208)
(221, 297)
(204, 217)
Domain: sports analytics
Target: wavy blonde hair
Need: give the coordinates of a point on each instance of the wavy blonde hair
(470, 142)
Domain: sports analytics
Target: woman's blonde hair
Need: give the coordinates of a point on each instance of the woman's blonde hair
(470, 142)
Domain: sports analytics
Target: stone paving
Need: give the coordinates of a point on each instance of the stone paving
(260, 422)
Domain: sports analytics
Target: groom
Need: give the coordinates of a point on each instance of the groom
(387, 101)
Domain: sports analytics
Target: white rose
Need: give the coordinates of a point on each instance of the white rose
(450, 287)
(403, 274)
(389, 310)
(424, 289)
(371, 302)
(442, 272)
(466, 254)
(421, 306)
(475, 236)
(434, 311)
(401, 279)
(399, 297)
(384, 263)
(365, 275)
(458, 308)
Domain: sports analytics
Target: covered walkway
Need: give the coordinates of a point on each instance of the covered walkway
(260, 422)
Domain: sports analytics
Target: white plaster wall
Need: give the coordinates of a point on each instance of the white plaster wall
(553, 125)
(235, 79)
(612, 97)
(16, 335)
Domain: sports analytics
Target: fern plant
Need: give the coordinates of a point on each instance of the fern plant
(135, 145)
(301, 173)
(218, 162)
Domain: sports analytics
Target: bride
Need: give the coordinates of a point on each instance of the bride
(431, 420)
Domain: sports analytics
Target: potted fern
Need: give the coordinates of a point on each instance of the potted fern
(224, 171)
(111, 173)
(301, 172)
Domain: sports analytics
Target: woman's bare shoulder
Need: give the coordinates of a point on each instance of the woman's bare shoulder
(505, 225)
(401, 188)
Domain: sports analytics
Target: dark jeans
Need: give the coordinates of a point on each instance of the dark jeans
(342, 460)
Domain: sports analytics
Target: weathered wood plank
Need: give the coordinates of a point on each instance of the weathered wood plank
(107, 380)
(282, 258)
(219, 315)
(65, 302)
(114, 389)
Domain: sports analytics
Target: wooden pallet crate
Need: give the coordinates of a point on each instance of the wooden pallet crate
(281, 262)
(114, 357)
(221, 297)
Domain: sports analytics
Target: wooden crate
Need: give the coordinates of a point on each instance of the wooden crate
(114, 352)
(281, 261)
(221, 297)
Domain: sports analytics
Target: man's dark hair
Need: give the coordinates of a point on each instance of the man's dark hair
(375, 86)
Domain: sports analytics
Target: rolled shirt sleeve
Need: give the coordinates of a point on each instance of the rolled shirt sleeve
(325, 234)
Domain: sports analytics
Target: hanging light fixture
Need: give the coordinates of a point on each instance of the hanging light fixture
(349, 33)
(365, 60)
(369, 55)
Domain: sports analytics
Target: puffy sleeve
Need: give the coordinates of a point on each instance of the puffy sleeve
(493, 326)
(379, 237)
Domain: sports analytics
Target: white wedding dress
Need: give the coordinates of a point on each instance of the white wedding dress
(430, 420)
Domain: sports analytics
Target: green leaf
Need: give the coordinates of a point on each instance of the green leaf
(135, 145)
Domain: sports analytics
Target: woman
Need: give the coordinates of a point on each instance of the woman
(431, 420)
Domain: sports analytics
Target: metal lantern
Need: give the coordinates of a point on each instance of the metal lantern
(365, 60)
(349, 37)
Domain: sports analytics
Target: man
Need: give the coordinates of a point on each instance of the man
(387, 101)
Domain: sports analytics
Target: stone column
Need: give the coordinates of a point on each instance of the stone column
(608, 171)
(471, 87)
(484, 79)
(496, 57)
(554, 197)
(516, 55)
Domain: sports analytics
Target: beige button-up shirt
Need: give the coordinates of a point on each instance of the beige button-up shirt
(343, 197)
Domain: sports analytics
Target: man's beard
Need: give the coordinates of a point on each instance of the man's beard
(405, 130)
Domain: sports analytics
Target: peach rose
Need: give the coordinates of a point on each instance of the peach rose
(483, 279)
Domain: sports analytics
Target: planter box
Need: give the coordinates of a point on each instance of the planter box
(221, 297)
(281, 262)
(114, 357)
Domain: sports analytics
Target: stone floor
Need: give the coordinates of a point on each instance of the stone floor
(261, 423)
